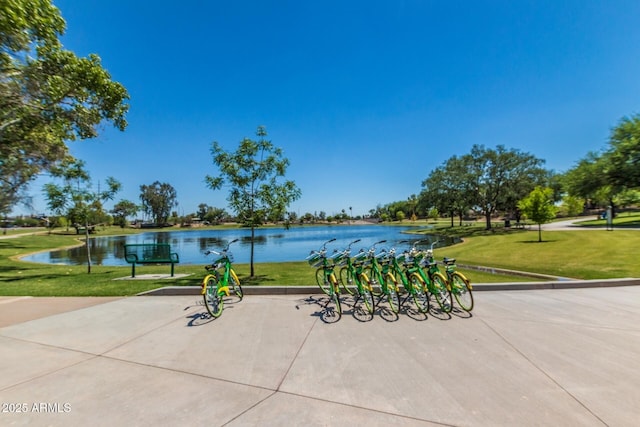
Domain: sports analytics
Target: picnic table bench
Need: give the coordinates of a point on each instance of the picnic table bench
(149, 253)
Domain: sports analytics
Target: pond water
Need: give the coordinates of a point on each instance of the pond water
(271, 244)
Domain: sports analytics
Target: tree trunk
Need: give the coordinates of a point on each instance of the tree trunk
(539, 233)
(252, 242)
(86, 244)
(488, 220)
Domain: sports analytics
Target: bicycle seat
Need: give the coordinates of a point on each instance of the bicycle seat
(449, 260)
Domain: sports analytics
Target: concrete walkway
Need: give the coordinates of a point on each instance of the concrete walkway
(531, 357)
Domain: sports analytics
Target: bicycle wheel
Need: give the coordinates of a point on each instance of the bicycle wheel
(441, 292)
(462, 291)
(322, 281)
(347, 280)
(212, 299)
(364, 289)
(235, 284)
(375, 280)
(335, 294)
(392, 293)
(367, 298)
(418, 293)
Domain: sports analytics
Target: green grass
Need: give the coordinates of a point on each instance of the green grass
(577, 254)
(596, 254)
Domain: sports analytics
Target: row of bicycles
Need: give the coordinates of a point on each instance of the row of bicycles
(372, 275)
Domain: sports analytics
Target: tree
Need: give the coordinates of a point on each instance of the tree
(623, 155)
(571, 205)
(157, 201)
(211, 214)
(501, 177)
(589, 180)
(48, 96)
(538, 207)
(449, 188)
(253, 173)
(83, 205)
(122, 210)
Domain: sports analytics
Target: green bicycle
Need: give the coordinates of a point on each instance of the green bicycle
(220, 281)
(458, 284)
(351, 273)
(413, 288)
(325, 276)
(379, 276)
(432, 279)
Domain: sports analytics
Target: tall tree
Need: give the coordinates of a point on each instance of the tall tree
(157, 201)
(48, 96)
(501, 177)
(84, 206)
(590, 180)
(448, 188)
(538, 207)
(623, 155)
(254, 175)
(122, 210)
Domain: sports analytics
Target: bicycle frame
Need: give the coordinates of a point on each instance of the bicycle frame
(380, 273)
(354, 271)
(430, 276)
(223, 263)
(326, 270)
(221, 276)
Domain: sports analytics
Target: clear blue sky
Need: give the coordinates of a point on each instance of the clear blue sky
(364, 97)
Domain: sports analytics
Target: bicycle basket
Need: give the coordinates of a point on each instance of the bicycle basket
(339, 258)
(315, 260)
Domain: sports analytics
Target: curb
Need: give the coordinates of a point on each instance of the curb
(306, 290)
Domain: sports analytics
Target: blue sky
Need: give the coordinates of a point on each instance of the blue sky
(364, 97)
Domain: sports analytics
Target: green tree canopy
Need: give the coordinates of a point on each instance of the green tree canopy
(449, 189)
(501, 177)
(48, 95)
(623, 155)
(538, 207)
(122, 210)
(157, 201)
(254, 175)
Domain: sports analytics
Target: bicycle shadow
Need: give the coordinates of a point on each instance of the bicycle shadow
(203, 317)
(460, 313)
(200, 318)
(357, 309)
(437, 313)
(325, 310)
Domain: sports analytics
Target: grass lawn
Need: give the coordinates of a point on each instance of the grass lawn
(579, 254)
(594, 254)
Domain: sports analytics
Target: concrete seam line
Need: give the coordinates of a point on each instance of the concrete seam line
(542, 371)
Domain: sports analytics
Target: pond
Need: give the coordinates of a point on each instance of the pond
(271, 244)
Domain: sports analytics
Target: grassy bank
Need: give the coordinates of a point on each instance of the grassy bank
(579, 254)
(582, 254)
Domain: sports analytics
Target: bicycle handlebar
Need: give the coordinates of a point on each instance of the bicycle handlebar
(224, 250)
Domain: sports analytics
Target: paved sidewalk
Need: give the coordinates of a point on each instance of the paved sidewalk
(538, 357)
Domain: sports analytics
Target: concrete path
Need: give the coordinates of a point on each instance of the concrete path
(571, 225)
(545, 357)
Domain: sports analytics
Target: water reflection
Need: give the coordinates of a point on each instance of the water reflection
(272, 244)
